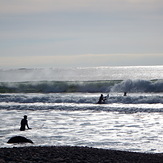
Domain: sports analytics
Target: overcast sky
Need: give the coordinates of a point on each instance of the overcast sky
(80, 33)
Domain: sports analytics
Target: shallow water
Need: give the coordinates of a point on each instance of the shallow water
(75, 119)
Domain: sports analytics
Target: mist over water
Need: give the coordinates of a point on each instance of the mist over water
(96, 79)
(81, 74)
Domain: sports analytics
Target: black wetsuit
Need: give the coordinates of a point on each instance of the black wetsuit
(24, 123)
(100, 99)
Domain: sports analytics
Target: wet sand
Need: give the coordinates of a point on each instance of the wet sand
(67, 154)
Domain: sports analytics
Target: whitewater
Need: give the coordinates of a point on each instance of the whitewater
(61, 105)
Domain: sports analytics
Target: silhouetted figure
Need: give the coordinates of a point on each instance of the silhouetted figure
(125, 94)
(101, 99)
(24, 122)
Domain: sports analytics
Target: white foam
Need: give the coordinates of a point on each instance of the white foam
(140, 132)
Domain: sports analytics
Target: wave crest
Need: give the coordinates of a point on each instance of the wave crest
(107, 86)
(138, 86)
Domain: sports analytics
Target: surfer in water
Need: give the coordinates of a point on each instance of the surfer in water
(101, 99)
(24, 122)
(125, 94)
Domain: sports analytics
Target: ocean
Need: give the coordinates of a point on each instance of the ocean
(61, 105)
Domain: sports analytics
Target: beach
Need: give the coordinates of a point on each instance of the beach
(73, 154)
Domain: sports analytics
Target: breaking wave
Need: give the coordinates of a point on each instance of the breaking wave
(104, 86)
(134, 102)
(138, 86)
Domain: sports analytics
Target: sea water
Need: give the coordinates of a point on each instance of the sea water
(62, 109)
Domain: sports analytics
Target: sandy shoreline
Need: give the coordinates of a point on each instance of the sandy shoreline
(67, 154)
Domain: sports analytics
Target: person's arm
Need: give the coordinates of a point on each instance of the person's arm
(28, 126)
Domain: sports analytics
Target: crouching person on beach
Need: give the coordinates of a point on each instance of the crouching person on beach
(24, 122)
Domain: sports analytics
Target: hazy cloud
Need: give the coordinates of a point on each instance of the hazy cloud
(42, 6)
(55, 31)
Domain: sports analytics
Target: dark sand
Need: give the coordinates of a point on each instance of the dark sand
(66, 154)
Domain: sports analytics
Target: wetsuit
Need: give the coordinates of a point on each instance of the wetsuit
(24, 123)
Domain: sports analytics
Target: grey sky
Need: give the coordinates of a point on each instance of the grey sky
(39, 33)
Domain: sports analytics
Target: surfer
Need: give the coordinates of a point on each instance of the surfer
(24, 122)
(101, 99)
(125, 94)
